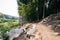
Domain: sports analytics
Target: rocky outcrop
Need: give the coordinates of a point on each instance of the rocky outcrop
(16, 33)
(53, 21)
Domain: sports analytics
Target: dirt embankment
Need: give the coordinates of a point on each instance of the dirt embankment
(38, 31)
(47, 29)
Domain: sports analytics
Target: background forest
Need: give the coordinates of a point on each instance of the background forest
(36, 10)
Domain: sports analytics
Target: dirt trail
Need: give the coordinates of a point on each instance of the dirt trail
(38, 31)
(42, 32)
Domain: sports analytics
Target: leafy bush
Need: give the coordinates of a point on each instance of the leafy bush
(3, 31)
(5, 27)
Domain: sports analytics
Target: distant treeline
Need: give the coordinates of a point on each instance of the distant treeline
(35, 10)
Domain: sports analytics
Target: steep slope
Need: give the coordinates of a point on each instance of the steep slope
(44, 30)
(53, 22)
(37, 31)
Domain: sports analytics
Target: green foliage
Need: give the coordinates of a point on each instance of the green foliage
(32, 10)
(6, 23)
(5, 27)
(28, 10)
(3, 32)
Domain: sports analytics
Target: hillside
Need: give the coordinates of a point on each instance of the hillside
(8, 17)
(47, 29)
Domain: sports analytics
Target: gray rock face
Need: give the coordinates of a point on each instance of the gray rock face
(24, 33)
(15, 33)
